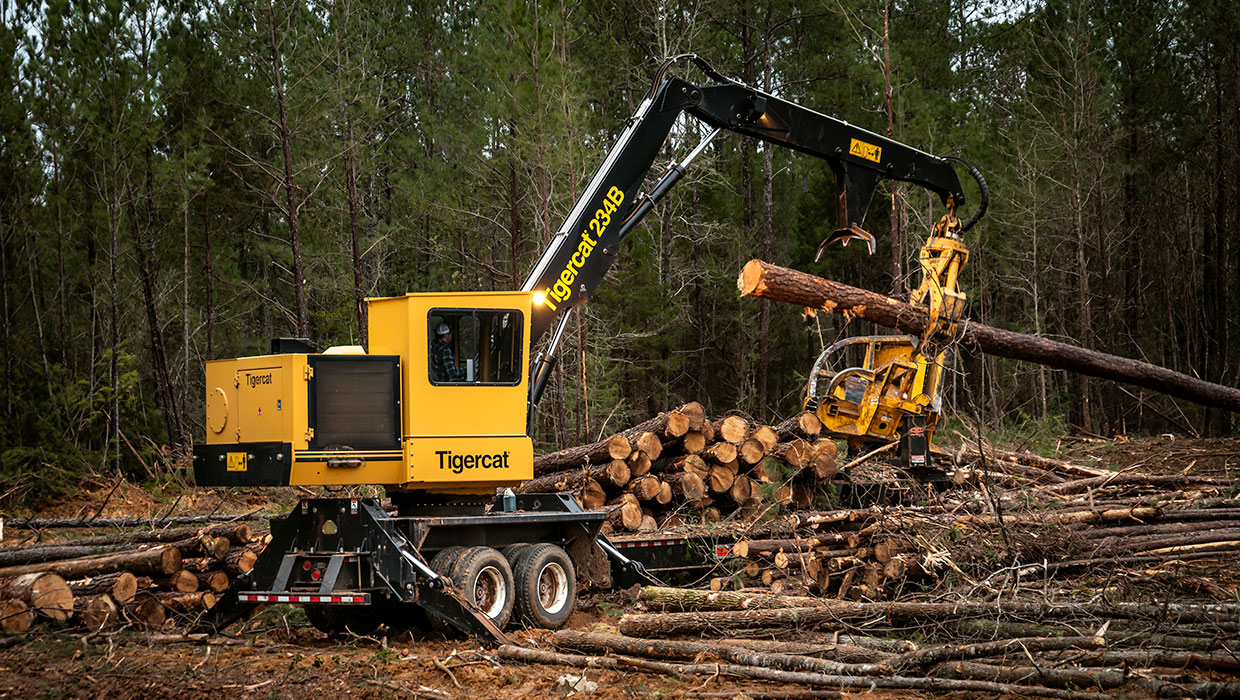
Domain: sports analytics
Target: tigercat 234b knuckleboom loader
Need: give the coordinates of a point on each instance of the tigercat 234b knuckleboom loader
(439, 409)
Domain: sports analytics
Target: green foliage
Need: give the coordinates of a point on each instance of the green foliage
(146, 212)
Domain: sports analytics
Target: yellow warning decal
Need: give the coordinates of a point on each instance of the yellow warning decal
(236, 461)
(861, 149)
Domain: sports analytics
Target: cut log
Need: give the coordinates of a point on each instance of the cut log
(802, 425)
(204, 545)
(45, 593)
(761, 279)
(665, 495)
(648, 524)
(693, 442)
(53, 523)
(767, 436)
(834, 612)
(592, 495)
(626, 516)
(665, 649)
(692, 464)
(710, 514)
(180, 582)
(214, 581)
(639, 463)
(614, 447)
(751, 451)
(121, 585)
(646, 488)
(615, 472)
(187, 602)
(161, 560)
(675, 425)
(687, 486)
(15, 616)
(97, 611)
(720, 453)
(720, 480)
(740, 493)
(240, 561)
(649, 443)
(733, 429)
(797, 452)
(796, 678)
(695, 413)
(145, 609)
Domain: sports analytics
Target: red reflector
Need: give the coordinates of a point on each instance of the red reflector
(316, 574)
(306, 565)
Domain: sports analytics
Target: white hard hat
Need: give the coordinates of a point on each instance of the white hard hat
(442, 328)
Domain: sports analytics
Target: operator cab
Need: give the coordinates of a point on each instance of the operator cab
(437, 404)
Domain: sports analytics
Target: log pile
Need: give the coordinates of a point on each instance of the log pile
(1024, 575)
(141, 578)
(681, 467)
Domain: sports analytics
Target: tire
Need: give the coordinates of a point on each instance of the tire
(546, 586)
(485, 577)
(512, 552)
(444, 563)
(334, 620)
(445, 559)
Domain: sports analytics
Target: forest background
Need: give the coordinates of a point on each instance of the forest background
(181, 181)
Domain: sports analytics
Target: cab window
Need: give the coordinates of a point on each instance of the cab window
(475, 346)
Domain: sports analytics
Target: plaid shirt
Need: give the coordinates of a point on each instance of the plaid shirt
(443, 364)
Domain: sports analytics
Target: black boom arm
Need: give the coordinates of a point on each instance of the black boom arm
(611, 206)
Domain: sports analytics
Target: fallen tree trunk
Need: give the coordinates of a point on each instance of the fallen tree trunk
(538, 656)
(52, 523)
(831, 611)
(592, 642)
(767, 281)
(614, 447)
(160, 561)
(615, 472)
(121, 585)
(930, 656)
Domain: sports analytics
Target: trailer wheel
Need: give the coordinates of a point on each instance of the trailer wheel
(333, 620)
(512, 552)
(445, 560)
(546, 586)
(485, 577)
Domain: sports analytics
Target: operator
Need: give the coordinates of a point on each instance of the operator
(443, 361)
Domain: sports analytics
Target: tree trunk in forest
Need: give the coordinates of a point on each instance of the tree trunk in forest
(292, 207)
(350, 176)
(761, 279)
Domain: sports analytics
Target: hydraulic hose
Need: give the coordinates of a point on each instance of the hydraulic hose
(982, 187)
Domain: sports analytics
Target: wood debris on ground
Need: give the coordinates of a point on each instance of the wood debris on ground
(1018, 574)
(139, 578)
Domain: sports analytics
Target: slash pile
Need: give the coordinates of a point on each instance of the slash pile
(680, 467)
(1018, 574)
(142, 578)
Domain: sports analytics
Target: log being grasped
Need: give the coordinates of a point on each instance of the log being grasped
(767, 281)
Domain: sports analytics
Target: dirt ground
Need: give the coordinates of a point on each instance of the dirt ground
(278, 655)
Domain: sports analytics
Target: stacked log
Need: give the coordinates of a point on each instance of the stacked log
(682, 467)
(141, 577)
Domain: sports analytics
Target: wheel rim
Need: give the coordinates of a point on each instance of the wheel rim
(552, 588)
(490, 591)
